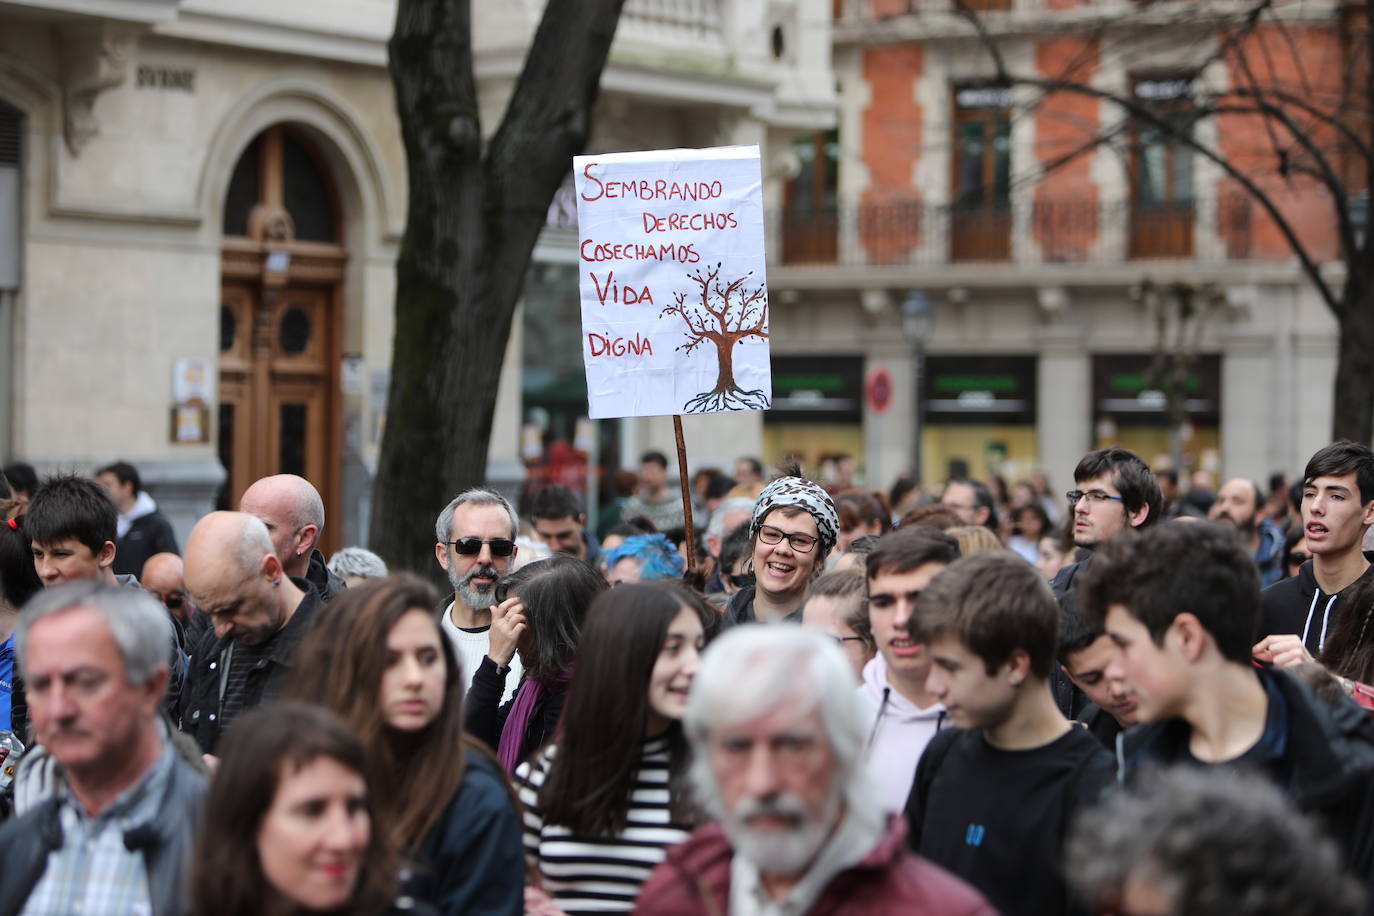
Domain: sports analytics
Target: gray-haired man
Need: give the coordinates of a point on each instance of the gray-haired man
(777, 735)
(117, 836)
(476, 546)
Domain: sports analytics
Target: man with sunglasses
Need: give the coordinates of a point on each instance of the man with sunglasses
(475, 536)
(793, 530)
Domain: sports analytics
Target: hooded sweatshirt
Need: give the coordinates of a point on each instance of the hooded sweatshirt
(1299, 606)
(899, 731)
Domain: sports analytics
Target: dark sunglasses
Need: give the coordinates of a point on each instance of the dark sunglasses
(174, 600)
(470, 547)
(1297, 558)
(501, 591)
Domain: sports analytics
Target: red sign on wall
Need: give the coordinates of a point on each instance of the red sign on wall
(878, 389)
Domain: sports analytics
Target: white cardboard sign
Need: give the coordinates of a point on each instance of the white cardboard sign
(672, 280)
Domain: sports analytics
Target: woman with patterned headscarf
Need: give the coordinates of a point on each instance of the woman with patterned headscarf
(792, 531)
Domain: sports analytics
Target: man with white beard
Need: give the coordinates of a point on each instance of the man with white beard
(476, 547)
(777, 735)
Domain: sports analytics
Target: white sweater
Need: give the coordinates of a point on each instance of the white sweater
(471, 647)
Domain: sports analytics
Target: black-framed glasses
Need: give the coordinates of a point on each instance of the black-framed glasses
(801, 543)
(470, 547)
(502, 590)
(1093, 496)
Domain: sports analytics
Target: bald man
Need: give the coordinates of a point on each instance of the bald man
(293, 512)
(257, 613)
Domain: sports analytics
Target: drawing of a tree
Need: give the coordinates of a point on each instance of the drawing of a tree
(724, 315)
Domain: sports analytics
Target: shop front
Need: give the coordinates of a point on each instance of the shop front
(979, 417)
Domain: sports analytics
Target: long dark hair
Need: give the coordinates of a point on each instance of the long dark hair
(261, 747)
(1349, 650)
(592, 776)
(556, 593)
(339, 665)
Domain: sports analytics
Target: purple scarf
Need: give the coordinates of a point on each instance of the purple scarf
(527, 697)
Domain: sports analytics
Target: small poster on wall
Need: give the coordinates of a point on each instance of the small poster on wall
(672, 280)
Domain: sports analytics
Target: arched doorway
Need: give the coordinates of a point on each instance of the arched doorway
(282, 270)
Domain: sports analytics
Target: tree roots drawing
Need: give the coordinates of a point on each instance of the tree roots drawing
(729, 399)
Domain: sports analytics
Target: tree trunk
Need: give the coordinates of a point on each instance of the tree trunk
(1352, 416)
(725, 363)
(472, 222)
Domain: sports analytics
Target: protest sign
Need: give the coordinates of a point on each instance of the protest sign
(672, 281)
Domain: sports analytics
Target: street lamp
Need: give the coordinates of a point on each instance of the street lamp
(918, 319)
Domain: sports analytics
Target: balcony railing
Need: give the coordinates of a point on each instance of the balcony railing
(914, 233)
(673, 21)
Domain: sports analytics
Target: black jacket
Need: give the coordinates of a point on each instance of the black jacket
(200, 700)
(486, 717)
(473, 859)
(147, 535)
(1298, 606)
(167, 850)
(741, 609)
(326, 583)
(1327, 767)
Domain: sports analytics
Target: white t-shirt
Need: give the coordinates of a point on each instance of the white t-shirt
(471, 647)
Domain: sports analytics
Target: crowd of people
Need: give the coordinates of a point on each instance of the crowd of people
(820, 700)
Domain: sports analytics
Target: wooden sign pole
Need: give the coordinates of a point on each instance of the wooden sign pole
(688, 527)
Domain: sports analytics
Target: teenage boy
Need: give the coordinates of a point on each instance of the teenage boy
(994, 797)
(1084, 653)
(1179, 602)
(1297, 614)
(904, 714)
(71, 522)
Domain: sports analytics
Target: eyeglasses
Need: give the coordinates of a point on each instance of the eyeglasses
(470, 547)
(502, 591)
(173, 600)
(844, 639)
(1297, 558)
(1093, 496)
(801, 543)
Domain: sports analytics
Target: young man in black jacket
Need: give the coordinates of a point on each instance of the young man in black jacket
(1179, 601)
(994, 797)
(1297, 614)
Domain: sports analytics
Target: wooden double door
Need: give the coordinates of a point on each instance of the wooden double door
(278, 411)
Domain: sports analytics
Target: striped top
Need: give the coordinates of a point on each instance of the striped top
(601, 874)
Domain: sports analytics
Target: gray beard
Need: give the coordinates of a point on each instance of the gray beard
(783, 853)
(475, 598)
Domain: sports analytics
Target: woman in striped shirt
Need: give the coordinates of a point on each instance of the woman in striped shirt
(604, 803)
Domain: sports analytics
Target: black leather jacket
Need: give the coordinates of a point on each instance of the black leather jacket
(200, 700)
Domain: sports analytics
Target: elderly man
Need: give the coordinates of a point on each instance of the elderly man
(777, 735)
(117, 836)
(294, 515)
(257, 615)
(475, 546)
